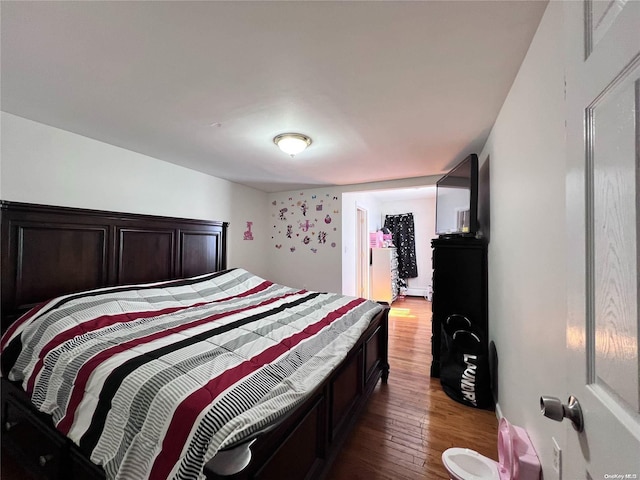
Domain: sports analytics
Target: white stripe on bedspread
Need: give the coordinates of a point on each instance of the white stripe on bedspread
(152, 380)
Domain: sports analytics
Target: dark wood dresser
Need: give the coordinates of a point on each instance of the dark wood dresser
(459, 287)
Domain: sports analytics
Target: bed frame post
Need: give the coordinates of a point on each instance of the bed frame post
(384, 354)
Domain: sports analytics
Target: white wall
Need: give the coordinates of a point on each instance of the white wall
(304, 246)
(42, 164)
(527, 291)
(423, 210)
(1, 122)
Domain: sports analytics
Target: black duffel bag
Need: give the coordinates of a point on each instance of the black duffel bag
(464, 363)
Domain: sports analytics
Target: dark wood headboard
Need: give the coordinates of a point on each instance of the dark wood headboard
(48, 251)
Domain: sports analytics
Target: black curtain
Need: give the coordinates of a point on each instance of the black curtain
(404, 238)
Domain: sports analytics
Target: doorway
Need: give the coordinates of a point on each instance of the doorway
(374, 205)
(362, 256)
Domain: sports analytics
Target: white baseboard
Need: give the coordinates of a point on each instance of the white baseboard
(416, 292)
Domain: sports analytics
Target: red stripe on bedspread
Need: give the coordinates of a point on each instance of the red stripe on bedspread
(108, 320)
(191, 407)
(64, 425)
(15, 325)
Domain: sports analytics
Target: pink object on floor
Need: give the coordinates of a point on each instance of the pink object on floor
(517, 458)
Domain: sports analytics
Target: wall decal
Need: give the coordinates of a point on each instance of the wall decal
(294, 226)
(248, 235)
(305, 226)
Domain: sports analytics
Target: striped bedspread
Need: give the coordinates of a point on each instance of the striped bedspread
(152, 380)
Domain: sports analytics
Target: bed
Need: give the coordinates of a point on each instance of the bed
(283, 372)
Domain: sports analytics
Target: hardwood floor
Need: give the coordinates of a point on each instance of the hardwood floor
(408, 422)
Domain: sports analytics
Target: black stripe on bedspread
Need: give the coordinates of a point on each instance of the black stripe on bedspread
(115, 379)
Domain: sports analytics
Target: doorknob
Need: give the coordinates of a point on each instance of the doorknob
(554, 409)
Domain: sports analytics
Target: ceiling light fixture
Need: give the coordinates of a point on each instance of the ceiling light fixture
(292, 143)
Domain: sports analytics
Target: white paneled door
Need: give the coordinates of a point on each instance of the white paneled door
(603, 220)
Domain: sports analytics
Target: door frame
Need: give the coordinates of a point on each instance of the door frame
(362, 252)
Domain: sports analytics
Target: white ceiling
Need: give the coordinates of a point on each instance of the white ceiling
(386, 90)
(403, 194)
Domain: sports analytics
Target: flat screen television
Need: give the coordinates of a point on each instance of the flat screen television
(457, 200)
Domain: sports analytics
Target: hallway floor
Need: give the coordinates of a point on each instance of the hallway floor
(409, 422)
